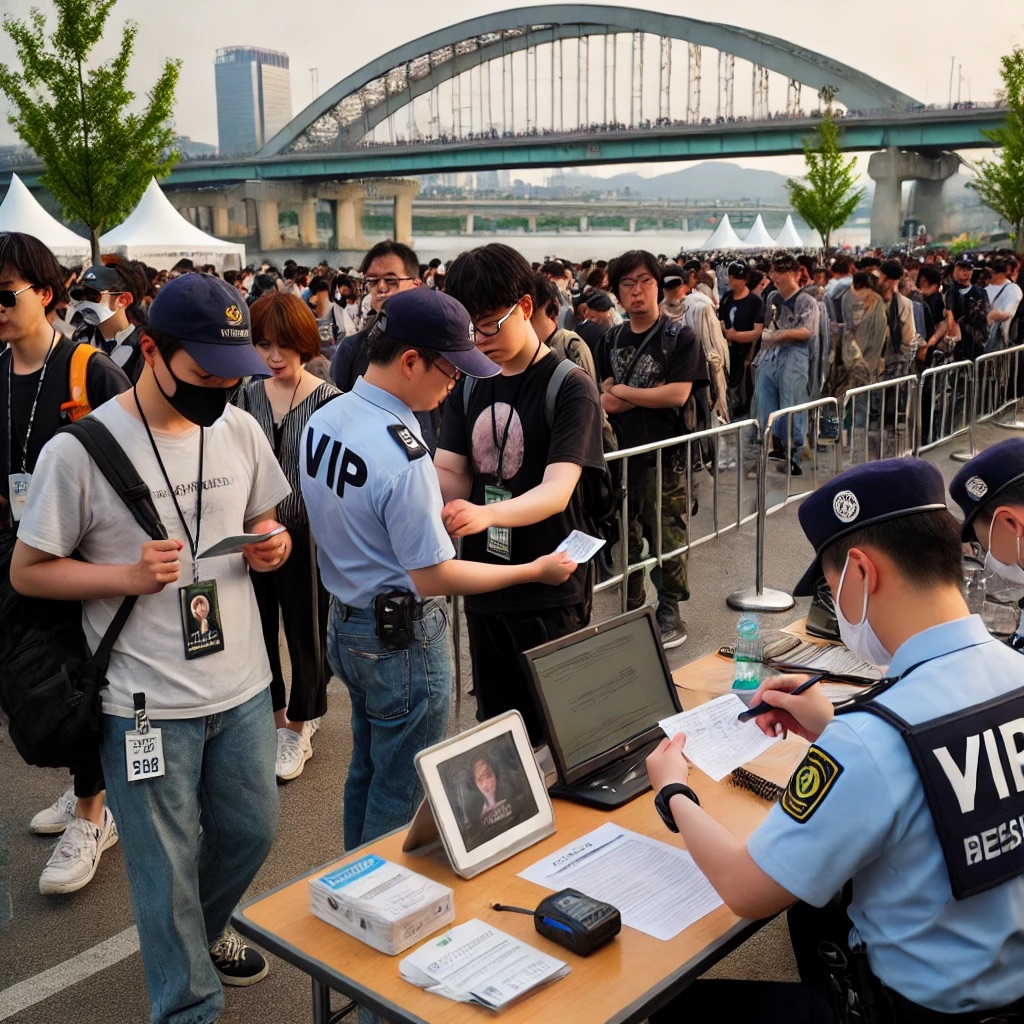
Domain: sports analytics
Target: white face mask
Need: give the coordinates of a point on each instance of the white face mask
(859, 637)
(1011, 572)
(94, 313)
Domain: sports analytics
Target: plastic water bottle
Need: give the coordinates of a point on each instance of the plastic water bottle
(749, 656)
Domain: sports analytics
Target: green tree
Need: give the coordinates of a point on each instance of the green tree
(829, 193)
(98, 153)
(1000, 181)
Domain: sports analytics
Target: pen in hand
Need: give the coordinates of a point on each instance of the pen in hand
(764, 708)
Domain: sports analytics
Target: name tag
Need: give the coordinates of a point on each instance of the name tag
(144, 755)
(499, 538)
(17, 488)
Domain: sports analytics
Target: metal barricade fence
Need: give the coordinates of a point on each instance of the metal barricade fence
(886, 412)
(759, 598)
(946, 404)
(697, 449)
(999, 386)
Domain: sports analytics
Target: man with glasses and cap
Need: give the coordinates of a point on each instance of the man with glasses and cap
(912, 792)
(374, 506)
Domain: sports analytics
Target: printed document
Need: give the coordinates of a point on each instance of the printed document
(657, 888)
(716, 741)
(477, 963)
(580, 547)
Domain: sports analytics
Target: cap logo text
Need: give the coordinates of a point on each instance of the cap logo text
(976, 488)
(846, 506)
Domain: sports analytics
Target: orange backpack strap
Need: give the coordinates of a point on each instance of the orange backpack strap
(77, 405)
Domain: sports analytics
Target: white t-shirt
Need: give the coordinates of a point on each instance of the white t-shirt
(1005, 298)
(71, 507)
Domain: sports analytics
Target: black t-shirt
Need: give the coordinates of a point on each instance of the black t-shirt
(589, 331)
(103, 381)
(685, 362)
(574, 436)
(741, 314)
(934, 312)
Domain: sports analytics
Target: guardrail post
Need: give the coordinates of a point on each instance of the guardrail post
(972, 427)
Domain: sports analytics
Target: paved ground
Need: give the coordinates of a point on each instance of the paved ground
(73, 958)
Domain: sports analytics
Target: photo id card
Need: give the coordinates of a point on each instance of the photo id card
(200, 619)
(144, 755)
(17, 488)
(499, 538)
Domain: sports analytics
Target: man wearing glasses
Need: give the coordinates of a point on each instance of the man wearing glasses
(375, 510)
(34, 384)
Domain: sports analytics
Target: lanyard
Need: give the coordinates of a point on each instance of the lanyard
(500, 446)
(31, 415)
(193, 543)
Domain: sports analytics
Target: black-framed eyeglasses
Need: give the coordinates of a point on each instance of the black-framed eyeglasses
(629, 283)
(498, 325)
(78, 292)
(390, 282)
(9, 299)
(453, 378)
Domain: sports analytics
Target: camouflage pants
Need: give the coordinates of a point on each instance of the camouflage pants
(670, 578)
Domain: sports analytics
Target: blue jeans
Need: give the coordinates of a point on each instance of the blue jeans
(782, 382)
(193, 840)
(400, 699)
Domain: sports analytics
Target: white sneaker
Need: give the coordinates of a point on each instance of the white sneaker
(77, 855)
(57, 816)
(293, 751)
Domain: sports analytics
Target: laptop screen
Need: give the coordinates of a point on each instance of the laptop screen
(601, 689)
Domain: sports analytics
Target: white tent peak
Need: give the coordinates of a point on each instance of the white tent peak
(723, 237)
(156, 222)
(758, 237)
(789, 237)
(21, 211)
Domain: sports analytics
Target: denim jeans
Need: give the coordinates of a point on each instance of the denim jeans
(781, 383)
(400, 700)
(193, 840)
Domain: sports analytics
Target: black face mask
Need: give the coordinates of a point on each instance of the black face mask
(203, 406)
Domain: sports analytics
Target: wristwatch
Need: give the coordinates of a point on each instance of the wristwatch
(666, 794)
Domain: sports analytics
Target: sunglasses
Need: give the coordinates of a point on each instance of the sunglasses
(79, 292)
(9, 299)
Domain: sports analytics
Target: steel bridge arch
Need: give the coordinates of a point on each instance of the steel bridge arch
(453, 50)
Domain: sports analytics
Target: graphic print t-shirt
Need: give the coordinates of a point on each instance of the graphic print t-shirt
(574, 436)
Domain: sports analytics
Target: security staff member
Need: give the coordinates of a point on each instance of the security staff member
(374, 506)
(937, 899)
(990, 492)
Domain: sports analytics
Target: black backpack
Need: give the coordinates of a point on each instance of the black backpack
(49, 684)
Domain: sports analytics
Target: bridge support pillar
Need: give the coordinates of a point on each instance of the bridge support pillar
(307, 223)
(584, 223)
(632, 225)
(268, 225)
(470, 223)
(889, 169)
(403, 213)
(219, 217)
(348, 217)
(531, 224)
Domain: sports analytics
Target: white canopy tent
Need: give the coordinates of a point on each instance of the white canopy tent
(789, 237)
(21, 211)
(758, 237)
(723, 237)
(155, 233)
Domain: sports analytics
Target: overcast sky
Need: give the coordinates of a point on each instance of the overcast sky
(897, 43)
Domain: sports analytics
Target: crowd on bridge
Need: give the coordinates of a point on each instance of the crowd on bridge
(362, 420)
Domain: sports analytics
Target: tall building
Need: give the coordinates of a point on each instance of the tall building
(254, 97)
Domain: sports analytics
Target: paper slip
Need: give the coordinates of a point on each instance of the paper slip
(477, 963)
(716, 741)
(580, 546)
(657, 888)
(229, 545)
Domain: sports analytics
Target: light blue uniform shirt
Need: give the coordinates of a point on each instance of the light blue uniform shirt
(375, 513)
(874, 826)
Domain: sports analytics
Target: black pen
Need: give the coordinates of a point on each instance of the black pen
(763, 707)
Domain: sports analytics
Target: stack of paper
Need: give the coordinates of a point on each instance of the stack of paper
(476, 963)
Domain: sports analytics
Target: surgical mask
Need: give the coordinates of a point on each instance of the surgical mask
(203, 406)
(859, 637)
(93, 313)
(1012, 573)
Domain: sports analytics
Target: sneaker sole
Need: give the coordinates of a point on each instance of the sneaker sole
(294, 775)
(48, 829)
(676, 641)
(234, 982)
(63, 888)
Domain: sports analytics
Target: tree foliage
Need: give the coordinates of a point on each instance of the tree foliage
(1000, 181)
(828, 195)
(99, 154)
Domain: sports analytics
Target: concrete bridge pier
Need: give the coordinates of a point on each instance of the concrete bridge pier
(470, 224)
(307, 222)
(632, 225)
(348, 215)
(889, 169)
(584, 224)
(405, 191)
(531, 224)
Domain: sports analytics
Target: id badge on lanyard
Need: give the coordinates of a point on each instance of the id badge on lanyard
(17, 488)
(143, 746)
(499, 538)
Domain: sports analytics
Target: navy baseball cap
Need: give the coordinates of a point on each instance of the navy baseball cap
(425, 318)
(103, 279)
(673, 275)
(984, 477)
(211, 320)
(599, 302)
(866, 496)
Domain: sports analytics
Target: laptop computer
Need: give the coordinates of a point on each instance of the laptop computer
(602, 691)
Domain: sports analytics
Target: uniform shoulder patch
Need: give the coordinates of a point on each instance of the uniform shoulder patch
(407, 441)
(810, 784)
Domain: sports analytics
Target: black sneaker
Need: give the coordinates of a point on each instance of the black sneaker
(776, 455)
(795, 470)
(673, 629)
(236, 963)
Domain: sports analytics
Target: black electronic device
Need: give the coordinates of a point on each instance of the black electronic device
(577, 922)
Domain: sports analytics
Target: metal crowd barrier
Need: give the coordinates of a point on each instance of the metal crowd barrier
(949, 392)
(886, 410)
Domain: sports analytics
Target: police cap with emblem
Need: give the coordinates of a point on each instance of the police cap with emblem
(865, 496)
(425, 318)
(984, 477)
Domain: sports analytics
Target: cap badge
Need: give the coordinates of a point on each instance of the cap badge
(846, 506)
(976, 488)
(234, 315)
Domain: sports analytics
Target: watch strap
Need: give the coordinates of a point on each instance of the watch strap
(665, 794)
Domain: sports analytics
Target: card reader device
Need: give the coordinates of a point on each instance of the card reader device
(577, 922)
